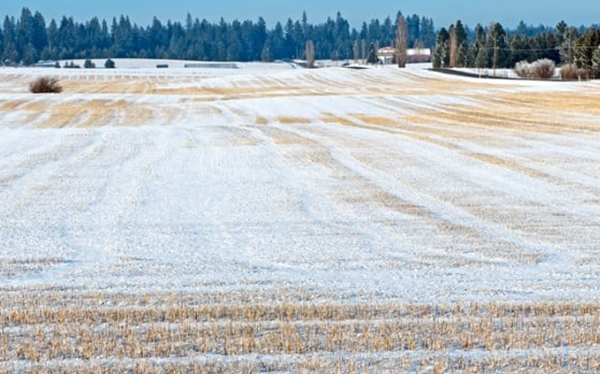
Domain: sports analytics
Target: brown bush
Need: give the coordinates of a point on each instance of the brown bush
(570, 72)
(45, 85)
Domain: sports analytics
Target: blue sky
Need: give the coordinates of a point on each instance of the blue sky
(444, 12)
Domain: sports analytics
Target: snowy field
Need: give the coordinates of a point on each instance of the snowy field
(394, 198)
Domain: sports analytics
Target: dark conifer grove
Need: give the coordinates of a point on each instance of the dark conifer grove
(30, 38)
(496, 47)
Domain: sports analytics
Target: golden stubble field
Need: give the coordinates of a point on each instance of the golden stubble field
(236, 328)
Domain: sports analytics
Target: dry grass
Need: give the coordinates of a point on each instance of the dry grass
(14, 267)
(288, 120)
(331, 118)
(160, 333)
(376, 120)
(540, 113)
(11, 105)
(86, 113)
(259, 120)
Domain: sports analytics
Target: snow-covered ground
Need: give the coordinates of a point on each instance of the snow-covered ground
(267, 185)
(338, 181)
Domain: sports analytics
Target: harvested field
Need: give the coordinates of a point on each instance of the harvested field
(267, 219)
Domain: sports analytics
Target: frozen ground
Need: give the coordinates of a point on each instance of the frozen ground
(333, 180)
(346, 185)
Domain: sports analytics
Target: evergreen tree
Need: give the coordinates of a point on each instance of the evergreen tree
(10, 52)
(427, 33)
(596, 62)
(441, 56)
(520, 49)
(29, 55)
(24, 37)
(277, 43)
(561, 30)
(1, 44)
(551, 46)
(461, 44)
(497, 40)
(585, 47)
(372, 56)
(413, 30)
(52, 40)
(39, 34)
(66, 38)
(567, 47)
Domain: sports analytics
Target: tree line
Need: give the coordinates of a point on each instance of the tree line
(29, 38)
(495, 47)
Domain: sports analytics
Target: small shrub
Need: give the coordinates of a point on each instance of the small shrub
(45, 85)
(523, 69)
(543, 69)
(540, 69)
(109, 64)
(88, 64)
(71, 65)
(571, 72)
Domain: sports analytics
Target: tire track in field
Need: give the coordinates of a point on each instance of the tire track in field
(445, 211)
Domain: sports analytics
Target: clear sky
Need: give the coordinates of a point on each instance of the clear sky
(444, 12)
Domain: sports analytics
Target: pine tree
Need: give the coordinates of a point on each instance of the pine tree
(499, 45)
(567, 47)
(372, 56)
(10, 53)
(427, 33)
(520, 49)
(585, 47)
(1, 44)
(596, 62)
(413, 29)
(39, 34)
(441, 55)
(461, 43)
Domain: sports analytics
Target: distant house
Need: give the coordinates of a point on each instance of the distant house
(211, 65)
(386, 55)
(419, 55)
(9, 63)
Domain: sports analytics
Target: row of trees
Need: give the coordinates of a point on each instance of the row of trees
(495, 47)
(28, 38)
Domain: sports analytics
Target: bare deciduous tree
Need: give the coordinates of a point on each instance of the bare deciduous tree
(453, 47)
(310, 54)
(401, 42)
(363, 51)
